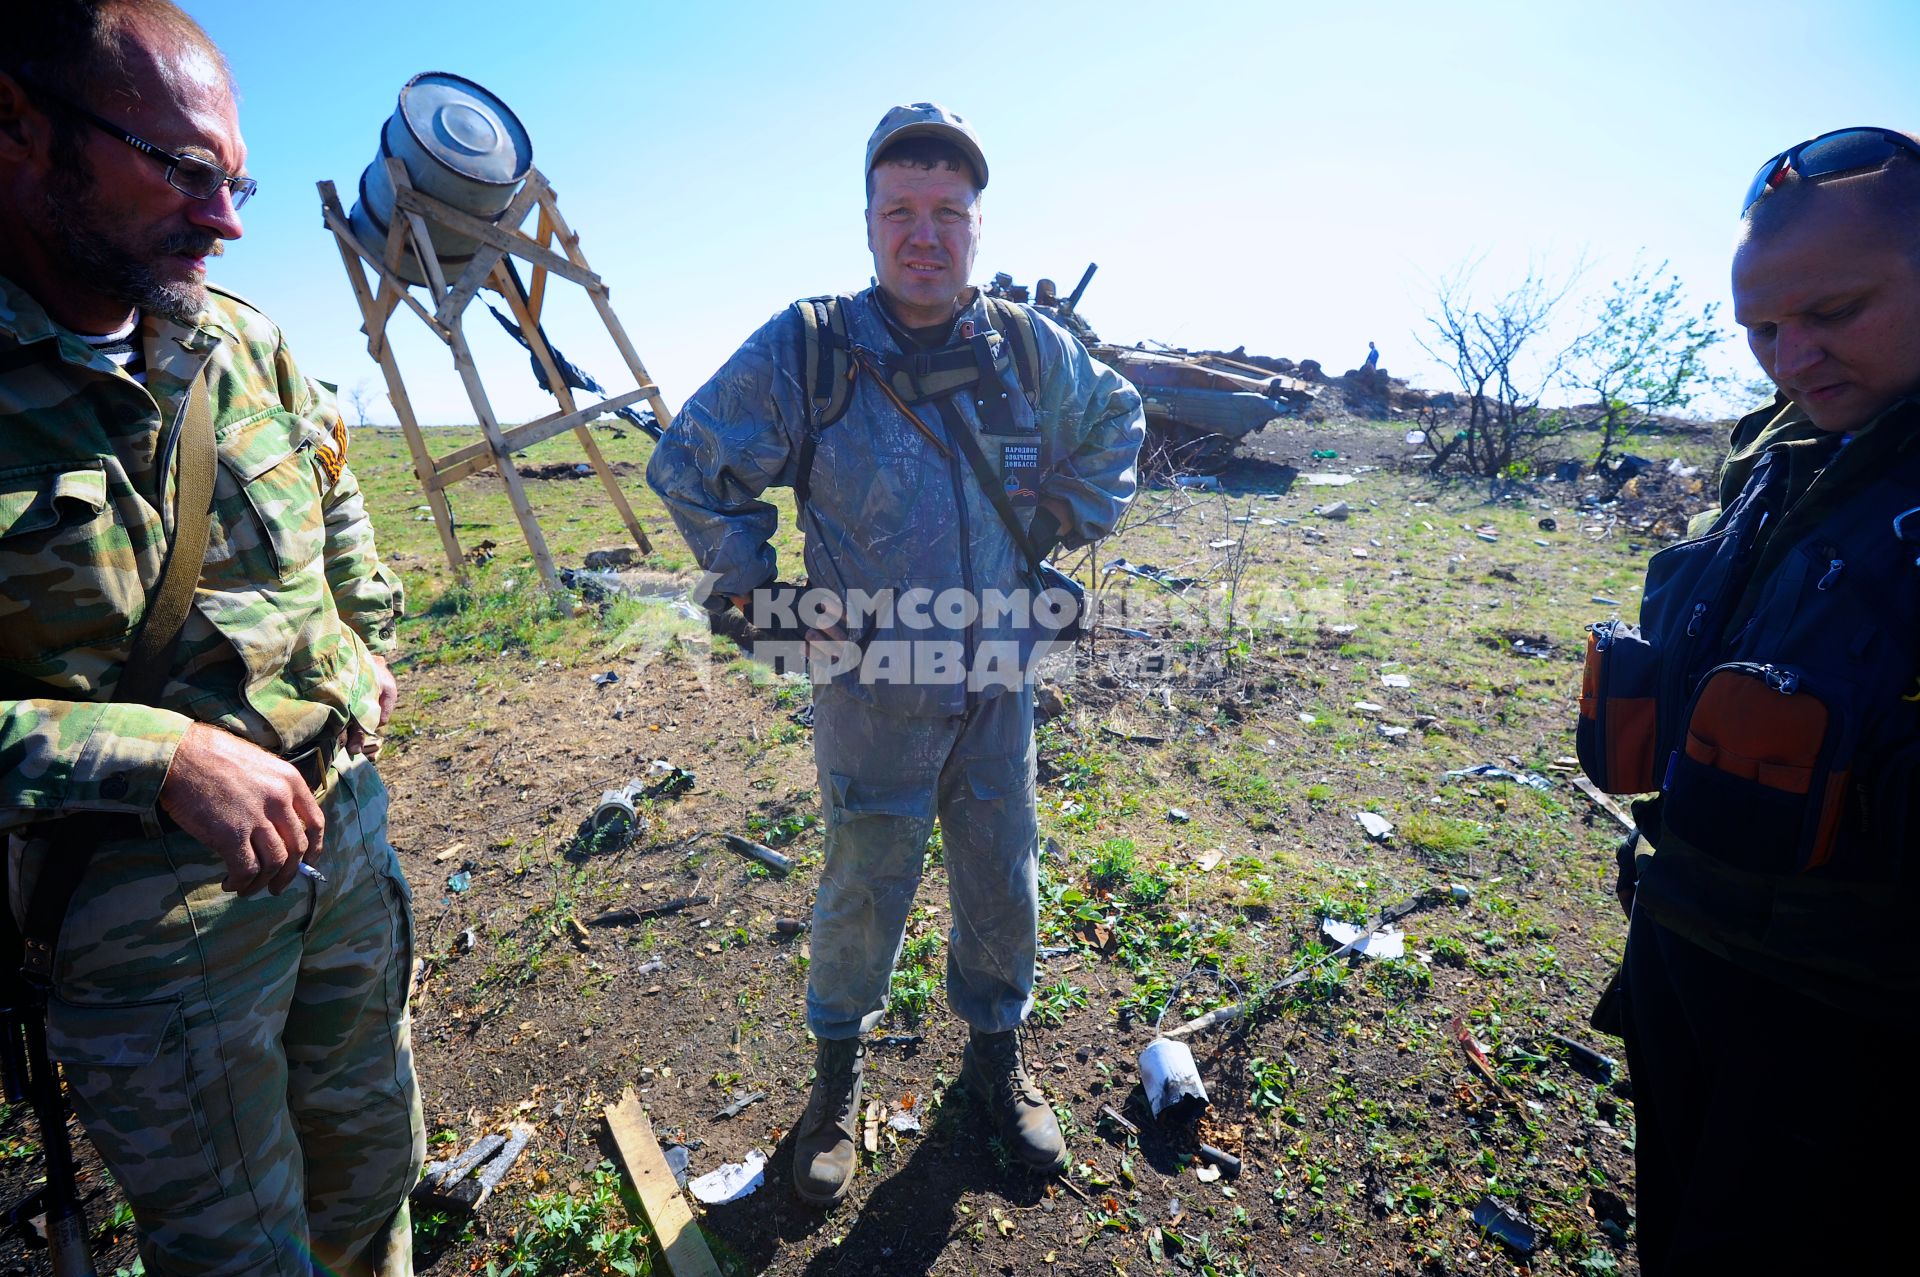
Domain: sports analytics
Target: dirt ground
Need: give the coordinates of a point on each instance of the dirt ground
(1366, 1136)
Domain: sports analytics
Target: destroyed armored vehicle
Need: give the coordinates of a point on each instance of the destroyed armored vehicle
(1199, 404)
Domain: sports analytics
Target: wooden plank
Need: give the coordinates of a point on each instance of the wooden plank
(524, 315)
(503, 459)
(537, 288)
(374, 325)
(601, 302)
(538, 431)
(660, 1198)
(393, 290)
(519, 245)
(1605, 803)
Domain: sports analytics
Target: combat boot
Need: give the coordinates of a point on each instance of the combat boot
(997, 1076)
(824, 1148)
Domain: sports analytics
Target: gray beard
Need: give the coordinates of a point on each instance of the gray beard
(97, 261)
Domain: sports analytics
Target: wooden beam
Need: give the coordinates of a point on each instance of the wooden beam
(537, 288)
(665, 1207)
(549, 363)
(475, 456)
(374, 325)
(519, 245)
(394, 290)
(503, 459)
(601, 302)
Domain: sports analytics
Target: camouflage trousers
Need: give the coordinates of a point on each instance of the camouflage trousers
(244, 1066)
(883, 780)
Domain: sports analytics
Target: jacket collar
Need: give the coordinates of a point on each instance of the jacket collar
(25, 321)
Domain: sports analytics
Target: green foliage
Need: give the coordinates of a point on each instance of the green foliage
(1645, 355)
(586, 1234)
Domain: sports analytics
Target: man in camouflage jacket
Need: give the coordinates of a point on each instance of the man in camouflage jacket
(925, 719)
(240, 1057)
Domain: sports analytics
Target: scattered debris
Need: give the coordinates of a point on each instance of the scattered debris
(739, 1106)
(904, 1124)
(1325, 480)
(1487, 771)
(1391, 733)
(1238, 1011)
(449, 852)
(1171, 1079)
(1178, 815)
(1367, 707)
(1549, 524)
(459, 882)
(605, 680)
(1477, 1057)
(870, 1132)
(1148, 572)
(1378, 827)
(1460, 893)
(1604, 601)
(468, 1181)
(1383, 943)
(1588, 1062)
(1226, 1162)
(788, 926)
(1130, 737)
(1395, 680)
(1500, 1222)
(1338, 511)
(1208, 859)
(1197, 482)
(1605, 803)
(627, 917)
(1114, 1115)
(733, 1181)
(754, 851)
(464, 942)
(898, 1039)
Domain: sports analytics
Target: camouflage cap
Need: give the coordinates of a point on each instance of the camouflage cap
(927, 119)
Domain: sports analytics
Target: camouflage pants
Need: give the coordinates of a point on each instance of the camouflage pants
(883, 779)
(244, 1066)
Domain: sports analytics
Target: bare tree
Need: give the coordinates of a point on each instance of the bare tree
(361, 396)
(1493, 351)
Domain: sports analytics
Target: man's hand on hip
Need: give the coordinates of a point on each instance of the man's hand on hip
(252, 808)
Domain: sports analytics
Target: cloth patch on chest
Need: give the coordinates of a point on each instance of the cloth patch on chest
(1019, 462)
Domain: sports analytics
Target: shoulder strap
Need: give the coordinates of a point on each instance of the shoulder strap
(969, 446)
(144, 675)
(1014, 323)
(142, 679)
(827, 371)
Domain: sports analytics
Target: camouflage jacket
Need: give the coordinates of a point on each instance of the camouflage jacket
(888, 512)
(292, 597)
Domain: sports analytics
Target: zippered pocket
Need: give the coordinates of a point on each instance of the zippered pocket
(1758, 778)
(1618, 709)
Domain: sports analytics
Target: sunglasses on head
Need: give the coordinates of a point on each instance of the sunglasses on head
(1829, 155)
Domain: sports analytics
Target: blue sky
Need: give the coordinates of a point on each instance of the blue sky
(1289, 177)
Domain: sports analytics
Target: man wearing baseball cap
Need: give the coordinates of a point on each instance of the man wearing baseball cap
(939, 444)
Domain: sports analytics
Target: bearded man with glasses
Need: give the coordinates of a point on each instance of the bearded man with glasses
(193, 629)
(1771, 695)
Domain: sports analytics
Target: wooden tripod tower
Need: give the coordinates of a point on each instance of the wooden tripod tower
(381, 296)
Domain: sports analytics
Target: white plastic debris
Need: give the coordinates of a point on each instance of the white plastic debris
(1395, 680)
(1326, 480)
(1384, 943)
(1378, 828)
(904, 1123)
(1392, 733)
(1367, 707)
(732, 1181)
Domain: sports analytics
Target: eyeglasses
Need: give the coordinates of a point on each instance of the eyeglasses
(1830, 155)
(188, 174)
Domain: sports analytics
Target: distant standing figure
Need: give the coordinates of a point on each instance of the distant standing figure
(1373, 358)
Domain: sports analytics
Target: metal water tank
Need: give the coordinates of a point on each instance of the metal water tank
(461, 145)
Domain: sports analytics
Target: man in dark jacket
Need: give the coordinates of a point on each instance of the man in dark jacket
(1770, 994)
